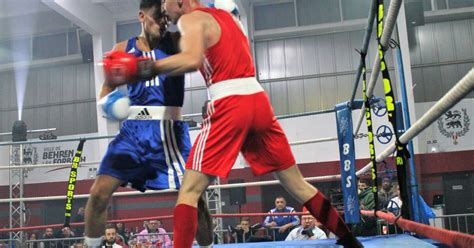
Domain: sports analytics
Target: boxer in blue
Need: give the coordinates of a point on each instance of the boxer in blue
(153, 144)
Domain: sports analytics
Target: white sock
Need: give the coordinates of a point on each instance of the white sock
(92, 242)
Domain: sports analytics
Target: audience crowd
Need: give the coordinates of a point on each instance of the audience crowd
(152, 234)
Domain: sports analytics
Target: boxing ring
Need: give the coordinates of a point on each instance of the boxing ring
(432, 236)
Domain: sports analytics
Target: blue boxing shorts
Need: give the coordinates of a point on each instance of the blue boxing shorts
(150, 151)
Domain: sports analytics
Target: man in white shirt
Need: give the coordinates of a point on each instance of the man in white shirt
(307, 230)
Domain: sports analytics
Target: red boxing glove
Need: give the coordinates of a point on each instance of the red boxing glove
(122, 68)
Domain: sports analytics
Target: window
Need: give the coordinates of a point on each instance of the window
(128, 30)
(271, 16)
(50, 46)
(427, 5)
(355, 9)
(72, 46)
(441, 4)
(318, 11)
(5, 54)
(454, 4)
(20, 49)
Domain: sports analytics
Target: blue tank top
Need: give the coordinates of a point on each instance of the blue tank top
(162, 90)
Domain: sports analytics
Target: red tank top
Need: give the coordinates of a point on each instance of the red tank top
(230, 57)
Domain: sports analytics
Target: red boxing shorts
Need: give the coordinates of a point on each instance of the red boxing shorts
(240, 118)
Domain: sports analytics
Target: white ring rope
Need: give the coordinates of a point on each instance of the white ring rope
(388, 27)
(35, 166)
(456, 94)
(135, 193)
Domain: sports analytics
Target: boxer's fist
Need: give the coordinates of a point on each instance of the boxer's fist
(122, 68)
(115, 105)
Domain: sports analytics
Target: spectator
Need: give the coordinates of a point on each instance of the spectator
(385, 193)
(122, 231)
(366, 201)
(367, 225)
(281, 225)
(66, 232)
(111, 237)
(68, 235)
(32, 240)
(307, 230)
(395, 206)
(243, 231)
(79, 217)
(48, 235)
(154, 235)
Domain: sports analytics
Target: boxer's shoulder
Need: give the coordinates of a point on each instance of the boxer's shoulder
(121, 46)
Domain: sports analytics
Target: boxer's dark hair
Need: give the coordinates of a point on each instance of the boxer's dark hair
(148, 4)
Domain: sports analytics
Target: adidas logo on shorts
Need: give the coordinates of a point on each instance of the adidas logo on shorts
(143, 115)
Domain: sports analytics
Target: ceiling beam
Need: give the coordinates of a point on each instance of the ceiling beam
(93, 18)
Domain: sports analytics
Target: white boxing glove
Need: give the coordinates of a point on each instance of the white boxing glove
(116, 105)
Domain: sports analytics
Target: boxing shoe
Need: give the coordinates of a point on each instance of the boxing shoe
(205, 233)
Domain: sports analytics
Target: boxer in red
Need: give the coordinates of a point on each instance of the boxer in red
(239, 115)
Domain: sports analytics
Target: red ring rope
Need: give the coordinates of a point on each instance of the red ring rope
(451, 238)
(16, 229)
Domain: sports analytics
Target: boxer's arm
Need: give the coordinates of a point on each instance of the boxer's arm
(192, 44)
(175, 36)
(107, 87)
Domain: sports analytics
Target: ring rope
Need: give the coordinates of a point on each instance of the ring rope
(453, 96)
(402, 152)
(365, 46)
(370, 132)
(388, 27)
(95, 137)
(162, 217)
(458, 92)
(35, 166)
(137, 193)
(451, 238)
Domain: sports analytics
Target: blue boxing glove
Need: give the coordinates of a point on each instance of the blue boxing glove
(116, 105)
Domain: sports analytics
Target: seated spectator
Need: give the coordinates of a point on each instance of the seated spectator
(395, 206)
(243, 231)
(111, 237)
(122, 231)
(368, 224)
(154, 235)
(67, 233)
(281, 225)
(32, 240)
(308, 229)
(385, 193)
(79, 217)
(48, 235)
